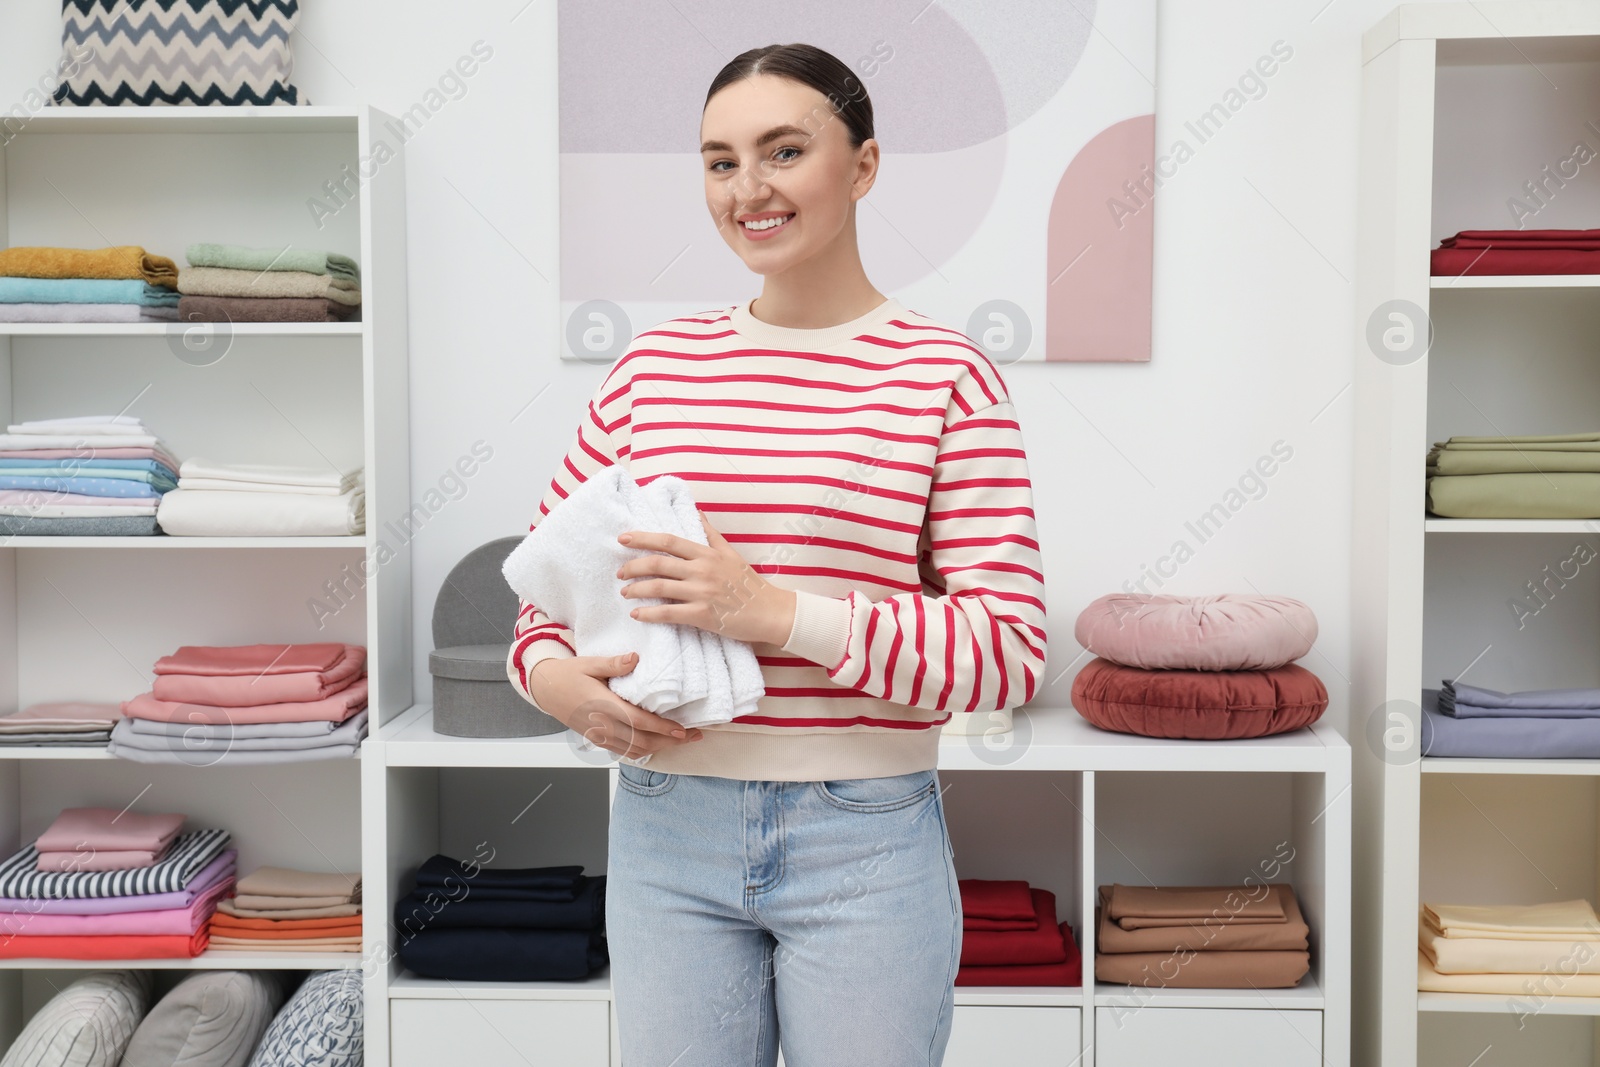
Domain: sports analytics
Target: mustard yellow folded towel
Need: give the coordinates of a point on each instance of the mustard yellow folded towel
(121, 262)
(1561, 920)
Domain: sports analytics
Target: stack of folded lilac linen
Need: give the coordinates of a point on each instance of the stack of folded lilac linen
(107, 883)
(243, 704)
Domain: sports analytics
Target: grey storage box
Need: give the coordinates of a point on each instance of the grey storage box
(473, 618)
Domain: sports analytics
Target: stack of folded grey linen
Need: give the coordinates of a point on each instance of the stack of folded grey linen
(1468, 721)
(69, 724)
(1554, 476)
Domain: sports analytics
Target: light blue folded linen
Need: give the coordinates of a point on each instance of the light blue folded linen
(1470, 701)
(1506, 738)
(159, 479)
(83, 486)
(85, 291)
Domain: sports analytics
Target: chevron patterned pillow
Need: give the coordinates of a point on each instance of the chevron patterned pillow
(206, 52)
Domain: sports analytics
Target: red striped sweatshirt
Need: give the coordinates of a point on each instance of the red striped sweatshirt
(876, 468)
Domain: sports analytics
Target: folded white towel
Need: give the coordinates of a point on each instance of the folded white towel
(567, 566)
(280, 478)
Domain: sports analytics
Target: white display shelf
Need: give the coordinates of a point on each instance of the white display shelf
(1050, 739)
(1516, 526)
(1506, 1004)
(157, 118)
(45, 752)
(1306, 995)
(1455, 100)
(598, 987)
(161, 329)
(1457, 765)
(179, 542)
(115, 604)
(1517, 281)
(207, 960)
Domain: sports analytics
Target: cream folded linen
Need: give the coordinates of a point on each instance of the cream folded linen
(227, 281)
(285, 944)
(1429, 980)
(329, 911)
(93, 425)
(1552, 921)
(229, 513)
(1497, 955)
(292, 883)
(252, 475)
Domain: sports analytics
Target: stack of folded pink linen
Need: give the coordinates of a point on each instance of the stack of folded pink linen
(248, 704)
(103, 839)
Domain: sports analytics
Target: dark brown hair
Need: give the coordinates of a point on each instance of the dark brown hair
(808, 65)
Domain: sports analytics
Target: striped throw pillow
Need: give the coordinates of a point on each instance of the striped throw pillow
(195, 52)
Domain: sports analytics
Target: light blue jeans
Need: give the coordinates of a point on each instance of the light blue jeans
(822, 915)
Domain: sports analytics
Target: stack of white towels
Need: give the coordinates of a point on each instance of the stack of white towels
(567, 567)
(263, 500)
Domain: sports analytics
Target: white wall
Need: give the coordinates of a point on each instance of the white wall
(1254, 320)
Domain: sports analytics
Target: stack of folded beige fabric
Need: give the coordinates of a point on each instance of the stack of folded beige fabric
(1550, 949)
(280, 909)
(1213, 937)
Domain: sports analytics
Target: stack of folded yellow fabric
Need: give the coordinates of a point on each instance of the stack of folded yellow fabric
(1550, 949)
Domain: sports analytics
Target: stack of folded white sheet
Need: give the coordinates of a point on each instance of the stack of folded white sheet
(263, 500)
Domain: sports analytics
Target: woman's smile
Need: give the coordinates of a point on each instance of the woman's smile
(765, 225)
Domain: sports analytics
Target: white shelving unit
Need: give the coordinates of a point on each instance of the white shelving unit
(86, 617)
(1060, 803)
(1463, 106)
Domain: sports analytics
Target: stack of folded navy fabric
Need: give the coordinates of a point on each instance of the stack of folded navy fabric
(468, 922)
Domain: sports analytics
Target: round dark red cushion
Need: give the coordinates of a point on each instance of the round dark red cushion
(1198, 705)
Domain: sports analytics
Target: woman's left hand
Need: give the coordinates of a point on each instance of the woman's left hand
(715, 588)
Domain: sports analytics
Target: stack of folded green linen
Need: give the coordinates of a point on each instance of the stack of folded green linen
(236, 283)
(1552, 476)
(119, 284)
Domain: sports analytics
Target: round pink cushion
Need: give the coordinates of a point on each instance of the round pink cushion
(1226, 632)
(1198, 705)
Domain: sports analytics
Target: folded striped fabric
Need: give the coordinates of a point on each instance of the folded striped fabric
(190, 852)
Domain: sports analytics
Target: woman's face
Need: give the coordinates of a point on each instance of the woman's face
(774, 149)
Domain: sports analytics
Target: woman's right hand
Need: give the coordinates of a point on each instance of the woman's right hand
(572, 690)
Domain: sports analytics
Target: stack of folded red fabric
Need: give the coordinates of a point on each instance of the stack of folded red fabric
(1518, 252)
(1010, 936)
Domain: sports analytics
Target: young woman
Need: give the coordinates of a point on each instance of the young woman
(861, 475)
